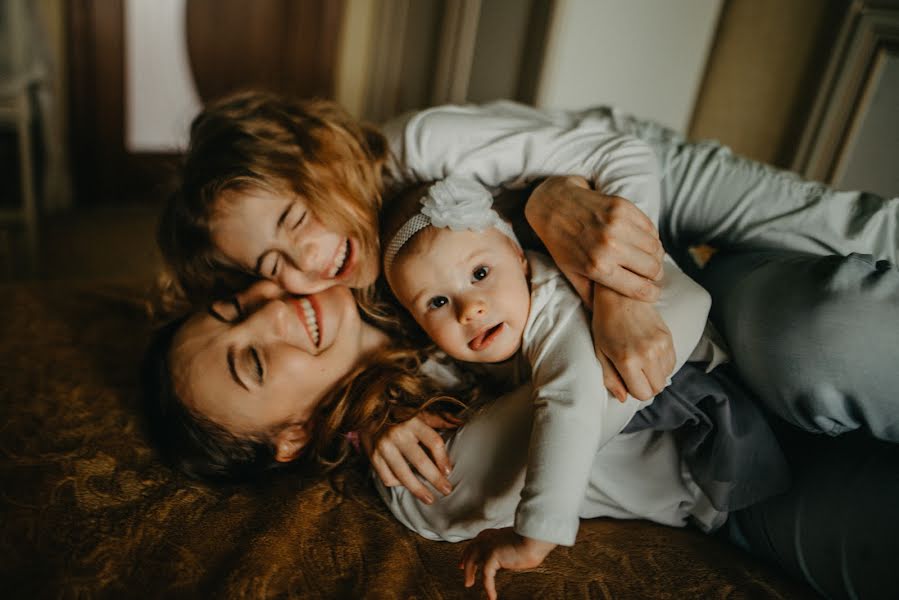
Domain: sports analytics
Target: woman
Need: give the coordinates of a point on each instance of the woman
(707, 196)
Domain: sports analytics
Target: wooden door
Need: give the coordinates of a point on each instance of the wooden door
(285, 45)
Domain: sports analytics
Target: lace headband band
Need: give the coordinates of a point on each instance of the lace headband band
(455, 203)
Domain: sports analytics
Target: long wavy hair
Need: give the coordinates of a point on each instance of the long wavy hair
(385, 389)
(264, 141)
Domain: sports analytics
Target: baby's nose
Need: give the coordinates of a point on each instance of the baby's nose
(472, 309)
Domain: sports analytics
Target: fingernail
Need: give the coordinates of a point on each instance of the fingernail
(446, 489)
(429, 500)
(447, 470)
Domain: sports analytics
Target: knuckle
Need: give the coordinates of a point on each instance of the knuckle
(598, 267)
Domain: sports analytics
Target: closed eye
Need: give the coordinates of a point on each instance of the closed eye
(300, 220)
(257, 365)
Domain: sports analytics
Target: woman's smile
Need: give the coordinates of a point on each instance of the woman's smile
(310, 315)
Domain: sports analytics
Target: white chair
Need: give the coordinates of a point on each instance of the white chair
(20, 73)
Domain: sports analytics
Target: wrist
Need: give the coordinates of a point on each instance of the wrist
(537, 549)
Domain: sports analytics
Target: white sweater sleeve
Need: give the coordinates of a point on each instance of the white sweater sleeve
(508, 144)
(574, 416)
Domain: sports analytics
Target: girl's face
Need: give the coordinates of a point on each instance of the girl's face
(277, 237)
(265, 360)
(468, 290)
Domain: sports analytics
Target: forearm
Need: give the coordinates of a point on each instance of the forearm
(683, 306)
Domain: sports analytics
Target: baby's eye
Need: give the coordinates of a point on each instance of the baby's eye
(480, 273)
(437, 302)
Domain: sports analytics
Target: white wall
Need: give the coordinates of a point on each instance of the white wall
(645, 56)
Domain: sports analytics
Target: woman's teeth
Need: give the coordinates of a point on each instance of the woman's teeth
(311, 321)
(339, 259)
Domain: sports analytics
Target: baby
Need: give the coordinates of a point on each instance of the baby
(459, 270)
(511, 317)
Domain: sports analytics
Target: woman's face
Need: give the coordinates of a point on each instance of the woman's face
(277, 237)
(265, 360)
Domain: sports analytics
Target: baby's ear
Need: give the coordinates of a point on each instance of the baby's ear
(289, 442)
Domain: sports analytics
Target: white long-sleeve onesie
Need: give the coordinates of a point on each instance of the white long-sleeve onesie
(564, 436)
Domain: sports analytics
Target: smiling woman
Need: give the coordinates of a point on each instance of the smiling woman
(267, 379)
(260, 366)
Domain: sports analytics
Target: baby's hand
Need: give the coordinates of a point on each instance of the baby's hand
(404, 444)
(496, 549)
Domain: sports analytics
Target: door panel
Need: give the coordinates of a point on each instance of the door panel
(285, 45)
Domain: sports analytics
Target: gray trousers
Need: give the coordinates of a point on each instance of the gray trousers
(806, 293)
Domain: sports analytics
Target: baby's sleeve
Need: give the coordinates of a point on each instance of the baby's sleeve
(574, 416)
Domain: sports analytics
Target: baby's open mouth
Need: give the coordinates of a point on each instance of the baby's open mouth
(486, 337)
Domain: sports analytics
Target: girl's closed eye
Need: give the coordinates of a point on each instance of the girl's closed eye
(301, 220)
(271, 266)
(480, 273)
(437, 302)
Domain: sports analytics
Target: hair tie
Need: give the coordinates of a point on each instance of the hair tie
(455, 203)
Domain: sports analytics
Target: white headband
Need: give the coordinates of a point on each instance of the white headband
(456, 203)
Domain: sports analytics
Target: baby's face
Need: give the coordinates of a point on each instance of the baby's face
(468, 290)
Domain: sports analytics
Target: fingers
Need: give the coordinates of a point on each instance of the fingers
(436, 470)
(470, 561)
(657, 372)
(620, 209)
(419, 459)
(437, 447)
(612, 380)
(383, 471)
(627, 283)
(490, 569)
(435, 421)
(635, 379)
(407, 478)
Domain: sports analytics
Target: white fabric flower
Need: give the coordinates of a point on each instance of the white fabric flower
(459, 204)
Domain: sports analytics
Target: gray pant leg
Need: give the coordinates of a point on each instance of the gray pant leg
(838, 526)
(815, 337)
(711, 195)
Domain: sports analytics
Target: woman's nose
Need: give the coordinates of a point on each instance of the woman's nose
(270, 320)
(471, 309)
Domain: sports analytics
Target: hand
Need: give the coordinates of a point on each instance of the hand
(496, 549)
(633, 344)
(594, 237)
(401, 445)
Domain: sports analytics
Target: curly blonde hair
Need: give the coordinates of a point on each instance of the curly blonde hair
(260, 140)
